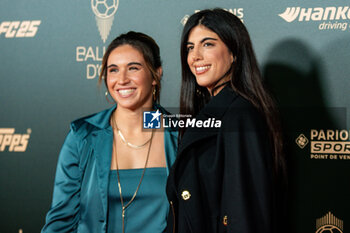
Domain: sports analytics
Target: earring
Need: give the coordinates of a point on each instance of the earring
(154, 95)
(106, 95)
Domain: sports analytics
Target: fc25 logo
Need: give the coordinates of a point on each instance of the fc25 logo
(19, 29)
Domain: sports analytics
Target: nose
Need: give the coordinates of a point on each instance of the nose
(195, 54)
(123, 78)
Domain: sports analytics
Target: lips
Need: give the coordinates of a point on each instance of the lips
(126, 92)
(202, 69)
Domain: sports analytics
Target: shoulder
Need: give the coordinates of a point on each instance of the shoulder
(242, 106)
(241, 113)
(85, 125)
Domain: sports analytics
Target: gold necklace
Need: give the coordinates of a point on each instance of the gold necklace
(119, 185)
(124, 140)
(128, 143)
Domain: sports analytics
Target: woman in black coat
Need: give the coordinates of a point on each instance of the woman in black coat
(224, 179)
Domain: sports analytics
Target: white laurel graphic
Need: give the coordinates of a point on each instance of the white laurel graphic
(290, 14)
(184, 20)
(104, 11)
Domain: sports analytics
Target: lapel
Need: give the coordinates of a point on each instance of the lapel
(103, 153)
(102, 143)
(216, 109)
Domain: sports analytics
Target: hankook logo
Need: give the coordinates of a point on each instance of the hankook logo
(316, 14)
(104, 11)
(332, 16)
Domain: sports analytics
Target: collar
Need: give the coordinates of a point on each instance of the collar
(101, 119)
(218, 104)
(215, 108)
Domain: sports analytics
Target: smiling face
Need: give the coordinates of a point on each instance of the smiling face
(208, 57)
(129, 81)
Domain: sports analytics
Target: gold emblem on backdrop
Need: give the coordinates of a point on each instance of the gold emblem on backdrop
(329, 224)
(301, 141)
(104, 11)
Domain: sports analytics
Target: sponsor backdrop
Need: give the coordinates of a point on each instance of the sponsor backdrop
(50, 53)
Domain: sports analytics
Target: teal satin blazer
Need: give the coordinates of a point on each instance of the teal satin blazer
(81, 185)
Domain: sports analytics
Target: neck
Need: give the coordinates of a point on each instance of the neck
(218, 87)
(129, 121)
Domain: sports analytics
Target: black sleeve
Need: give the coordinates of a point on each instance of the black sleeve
(247, 190)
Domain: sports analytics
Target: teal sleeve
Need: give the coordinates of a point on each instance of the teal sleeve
(63, 215)
(170, 141)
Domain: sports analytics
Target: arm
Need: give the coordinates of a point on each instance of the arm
(63, 215)
(247, 196)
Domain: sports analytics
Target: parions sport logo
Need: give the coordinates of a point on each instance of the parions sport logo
(331, 18)
(104, 11)
(326, 144)
(13, 142)
(236, 11)
(19, 29)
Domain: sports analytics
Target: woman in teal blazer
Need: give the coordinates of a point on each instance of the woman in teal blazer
(108, 152)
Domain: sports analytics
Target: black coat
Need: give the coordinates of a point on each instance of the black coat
(221, 180)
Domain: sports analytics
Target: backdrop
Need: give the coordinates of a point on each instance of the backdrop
(50, 53)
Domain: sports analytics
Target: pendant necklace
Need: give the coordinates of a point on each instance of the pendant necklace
(124, 207)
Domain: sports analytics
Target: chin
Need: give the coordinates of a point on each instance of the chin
(125, 103)
(203, 83)
(133, 105)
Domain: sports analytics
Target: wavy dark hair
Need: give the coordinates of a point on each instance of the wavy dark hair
(145, 45)
(246, 78)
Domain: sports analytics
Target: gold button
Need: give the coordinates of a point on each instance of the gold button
(224, 220)
(185, 195)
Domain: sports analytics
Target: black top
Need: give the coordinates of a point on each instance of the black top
(222, 180)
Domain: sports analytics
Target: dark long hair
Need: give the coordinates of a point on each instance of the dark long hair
(146, 46)
(246, 78)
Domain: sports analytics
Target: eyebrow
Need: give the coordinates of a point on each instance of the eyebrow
(203, 40)
(134, 63)
(129, 64)
(111, 65)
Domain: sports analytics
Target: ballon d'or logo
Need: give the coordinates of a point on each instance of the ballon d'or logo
(104, 11)
(329, 224)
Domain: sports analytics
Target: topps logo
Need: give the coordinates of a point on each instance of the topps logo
(316, 14)
(13, 142)
(19, 29)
